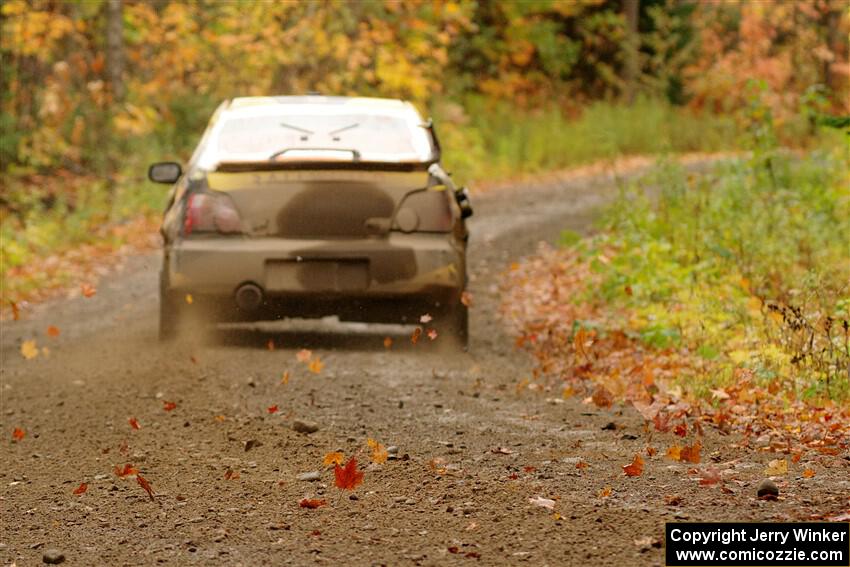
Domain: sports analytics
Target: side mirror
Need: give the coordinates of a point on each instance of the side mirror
(165, 172)
(462, 197)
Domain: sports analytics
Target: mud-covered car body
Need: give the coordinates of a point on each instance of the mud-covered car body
(314, 206)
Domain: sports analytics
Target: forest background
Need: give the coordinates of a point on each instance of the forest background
(94, 90)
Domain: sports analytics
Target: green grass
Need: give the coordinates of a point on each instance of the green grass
(746, 267)
(490, 140)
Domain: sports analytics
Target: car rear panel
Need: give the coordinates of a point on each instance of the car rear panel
(400, 264)
(317, 204)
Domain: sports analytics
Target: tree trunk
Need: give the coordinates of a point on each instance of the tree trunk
(631, 48)
(115, 47)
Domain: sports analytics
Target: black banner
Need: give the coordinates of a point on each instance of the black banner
(740, 544)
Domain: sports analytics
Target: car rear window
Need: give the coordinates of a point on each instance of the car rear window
(340, 136)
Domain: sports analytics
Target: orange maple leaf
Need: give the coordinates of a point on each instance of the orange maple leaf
(53, 331)
(146, 485)
(674, 452)
(432, 334)
(168, 406)
(691, 454)
(81, 489)
(134, 423)
(636, 466)
(808, 473)
(18, 434)
(334, 458)
(272, 409)
(88, 290)
(379, 452)
(348, 477)
(316, 365)
(312, 503)
(126, 471)
(605, 492)
(602, 397)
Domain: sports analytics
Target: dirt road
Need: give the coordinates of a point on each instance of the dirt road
(471, 449)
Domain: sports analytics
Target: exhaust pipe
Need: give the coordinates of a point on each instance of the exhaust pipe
(249, 297)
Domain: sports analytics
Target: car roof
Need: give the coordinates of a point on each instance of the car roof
(273, 105)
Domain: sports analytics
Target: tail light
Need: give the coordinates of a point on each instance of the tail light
(211, 212)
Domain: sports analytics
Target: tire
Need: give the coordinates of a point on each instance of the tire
(170, 311)
(457, 323)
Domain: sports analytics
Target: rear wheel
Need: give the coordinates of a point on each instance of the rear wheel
(456, 322)
(170, 311)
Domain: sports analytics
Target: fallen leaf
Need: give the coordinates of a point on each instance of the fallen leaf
(691, 454)
(417, 332)
(466, 298)
(189, 299)
(661, 421)
(432, 334)
(220, 418)
(81, 489)
(333, 458)
(53, 331)
(388, 342)
(312, 503)
(88, 290)
(270, 344)
(316, 365)
(16, 313)
(230, 474)
(272, 409)
(604, 492)
(651, 451)
(796, 457)
(379, 452)
(582, 465)
(18, 434)
(529, 469)
(303, 355)
(674, 452)
(808, 473)
(284, 379)
(681, 430)
(776, 467)
(542, 502)
(134, 423)
(426, 318)
(146, 485)
(168, 406)
(709, 476)
(636, 466)
(29, 350)
(348, 477)
(602, 397)
(126, 471)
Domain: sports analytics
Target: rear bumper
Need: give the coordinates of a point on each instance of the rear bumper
(315, 278)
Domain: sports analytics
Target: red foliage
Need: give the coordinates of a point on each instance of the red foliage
(348, 477)
(312, 503)
(81, 489)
